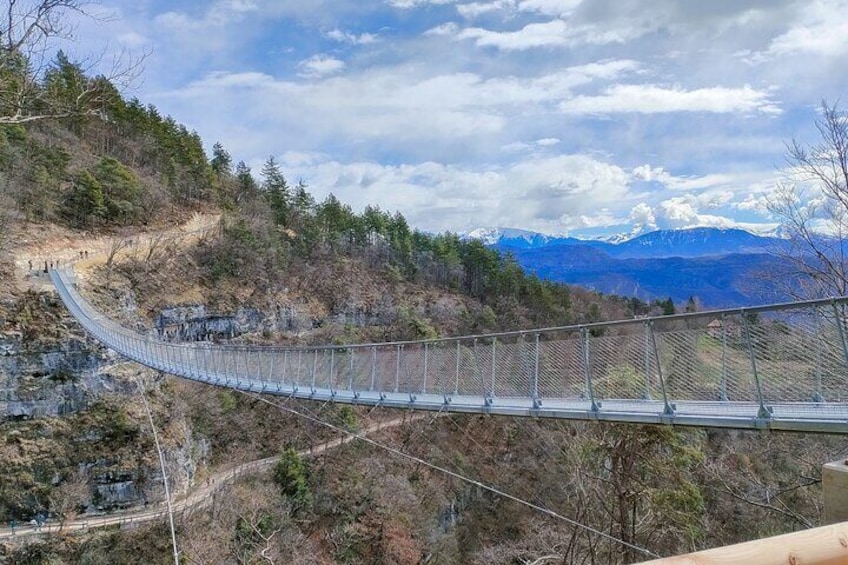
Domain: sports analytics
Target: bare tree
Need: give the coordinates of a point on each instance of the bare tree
(26, 30)
(812, 206)
(68, 498)
(117, 245)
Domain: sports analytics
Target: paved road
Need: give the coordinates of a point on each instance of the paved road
(197, 499)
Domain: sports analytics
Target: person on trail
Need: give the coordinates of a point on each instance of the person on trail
(45, 266)
(30, 264)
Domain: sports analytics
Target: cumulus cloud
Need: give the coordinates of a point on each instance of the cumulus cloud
(476, 9)
(653, 99)
(133, 39)
(642, 218)
(549, 7)
(757, 203)
(320, 65)
(407, 4)
(649, 174)
(821, 30)
(557, 79)
(446, 29)
(219, 14)
(554, 33)
(351, 38)
(552, 194)
(394, 104)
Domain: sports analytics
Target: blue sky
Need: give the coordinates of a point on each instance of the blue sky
(560, 116)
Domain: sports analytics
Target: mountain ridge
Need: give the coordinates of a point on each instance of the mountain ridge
(721, 267)
(689, 242)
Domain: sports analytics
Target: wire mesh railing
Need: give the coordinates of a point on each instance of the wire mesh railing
(782, 366)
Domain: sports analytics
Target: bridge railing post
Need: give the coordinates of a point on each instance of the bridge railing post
(646, 394)
(818, 395)
(206, 353)
(763, 412)
(668, 409)
(350, 371)
(494, 365)
(723, 386)
(535, 389)
(398, 353)
(426, 361)
(297, 375)
(314, 369)
(373, 367)
(331, 377)
(587, 370)
(456, 380)
(838, 318)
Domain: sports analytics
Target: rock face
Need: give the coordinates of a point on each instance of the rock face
(194, 322)
(71, 407)
(38, 382)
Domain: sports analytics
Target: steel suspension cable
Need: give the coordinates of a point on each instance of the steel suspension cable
(162, 467)
(459, 476)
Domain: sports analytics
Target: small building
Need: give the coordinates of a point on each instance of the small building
(720, 328)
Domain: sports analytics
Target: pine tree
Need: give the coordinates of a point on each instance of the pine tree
(276, 191)
(85, 202)
(222, 163)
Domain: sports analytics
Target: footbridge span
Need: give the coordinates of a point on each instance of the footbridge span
(781, 367)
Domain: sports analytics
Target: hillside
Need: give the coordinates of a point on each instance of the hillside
(274, 266)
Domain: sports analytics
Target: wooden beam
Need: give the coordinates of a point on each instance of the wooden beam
(827, 545)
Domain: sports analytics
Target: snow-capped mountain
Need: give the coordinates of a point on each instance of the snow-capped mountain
(510, 237)
(693, 242)
(721, 267)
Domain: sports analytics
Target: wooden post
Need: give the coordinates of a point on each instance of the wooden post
(835, 491)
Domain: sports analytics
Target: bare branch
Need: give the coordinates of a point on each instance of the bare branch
(26, 29)
(812, 205)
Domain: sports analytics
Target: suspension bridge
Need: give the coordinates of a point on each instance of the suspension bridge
(780, 367)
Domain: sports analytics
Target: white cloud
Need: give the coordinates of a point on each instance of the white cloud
(352, 38)
(549, 7)
(223, 80)
(445, 29)
(653, 99)
(649, 174)
(551, 69)
(320, 65)
(476, 9)
(550, 34)
(757, 203)
(551, 194)
(554, 33)
(407, 4)
(392, 104)
(133, 40)
(642, 217)
(219, 14)
(821, 31)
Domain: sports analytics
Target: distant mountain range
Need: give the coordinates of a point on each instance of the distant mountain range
(720, 267)
(694, 242)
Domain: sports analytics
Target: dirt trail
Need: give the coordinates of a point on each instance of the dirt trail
(200, 497)
(56, 246)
